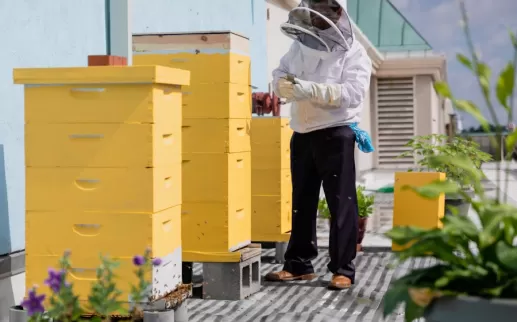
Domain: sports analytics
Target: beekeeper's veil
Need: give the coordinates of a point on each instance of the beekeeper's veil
(320, 24)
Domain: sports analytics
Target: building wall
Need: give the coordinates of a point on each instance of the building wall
(246, 17)
(426, 106)
(35, 34)
(277, 44)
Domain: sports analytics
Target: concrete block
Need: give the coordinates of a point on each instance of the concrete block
(233, 281)
(280, 249)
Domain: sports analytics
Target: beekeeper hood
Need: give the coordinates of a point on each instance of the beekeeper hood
(320, 24)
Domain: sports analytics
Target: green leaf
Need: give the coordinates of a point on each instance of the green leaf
(507, 255)
(435, 189)
(471, 108)
(513, 38)
(442, 88)
(413, 312)
(505, 85)
(404, 234)
(511, 141)
(461, 225)
(396, 295)
(465, 61)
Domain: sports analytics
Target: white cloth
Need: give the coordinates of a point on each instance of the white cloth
(327, 73)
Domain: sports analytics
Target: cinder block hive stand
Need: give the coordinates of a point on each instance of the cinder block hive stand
(216, 214)
(103, 170)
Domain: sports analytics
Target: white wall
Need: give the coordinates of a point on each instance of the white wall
(277, 44)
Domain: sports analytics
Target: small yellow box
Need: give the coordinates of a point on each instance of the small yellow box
(135, 94)
(204, 67)
(138, 190)
(120, 235)
(409, 209)
(216, 135)
(271, 217)
(218, 101)
(270, 143)
(213, 228)
(216, 177)
(104, 145)
(271, 182)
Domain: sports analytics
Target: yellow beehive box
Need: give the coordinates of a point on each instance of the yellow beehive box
(216, 57)
(104, 145)
(218, 101)
(271, 217)
(136, 94)
(271, 182)
(164, 278)
(116, 234)
(143, 190)
(216, 177)
(216, 135)
(409, 209)
(270, 143)
(212, 230)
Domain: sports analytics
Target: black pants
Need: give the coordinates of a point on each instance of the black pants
(323, 156)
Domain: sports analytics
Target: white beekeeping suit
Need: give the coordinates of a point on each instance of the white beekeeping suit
(331, 71)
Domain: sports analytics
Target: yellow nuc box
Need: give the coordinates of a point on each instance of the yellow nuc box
(104, 145)
(409, 209)
(216, 177)
(204, 67)
(271, 182)
(271, 217)
(141, 190)
(117, 234)
(138, 94)
(270, 143)
(216, 135)
(212, 230)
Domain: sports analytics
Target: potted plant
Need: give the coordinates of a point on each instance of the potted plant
(425, 147)
(365, 209)
(474, 277)
(103, 301)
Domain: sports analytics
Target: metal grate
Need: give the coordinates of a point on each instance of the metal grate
(395, 121)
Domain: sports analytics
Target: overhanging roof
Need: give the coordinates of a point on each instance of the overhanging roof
(385, 26)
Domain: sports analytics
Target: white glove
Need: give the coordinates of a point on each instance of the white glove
(285, 89)
(323, 94)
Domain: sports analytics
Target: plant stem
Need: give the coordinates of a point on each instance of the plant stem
(488, 101)
(508, 158)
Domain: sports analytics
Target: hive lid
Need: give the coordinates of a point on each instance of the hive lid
(102, 75)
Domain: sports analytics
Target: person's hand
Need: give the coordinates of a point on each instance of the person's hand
(285, 89)
(303, 90)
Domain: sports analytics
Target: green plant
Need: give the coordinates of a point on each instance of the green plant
(424, 147)
(104, 295)
(473, 259)
(364, 202)
(323, 208)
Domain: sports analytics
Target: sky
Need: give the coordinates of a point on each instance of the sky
(439, 22)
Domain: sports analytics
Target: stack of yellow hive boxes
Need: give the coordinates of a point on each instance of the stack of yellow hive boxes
(271, 179)
(103, 171)
(216, 214)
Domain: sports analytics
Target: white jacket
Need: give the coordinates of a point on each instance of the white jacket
(351, 69)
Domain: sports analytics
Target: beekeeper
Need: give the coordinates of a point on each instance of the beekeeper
(326, 76)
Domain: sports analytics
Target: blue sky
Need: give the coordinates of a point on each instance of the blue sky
(439, 22)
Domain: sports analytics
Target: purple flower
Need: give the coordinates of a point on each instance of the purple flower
(34, 303)
(55, 279)
(157, 262)
(138, 260)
